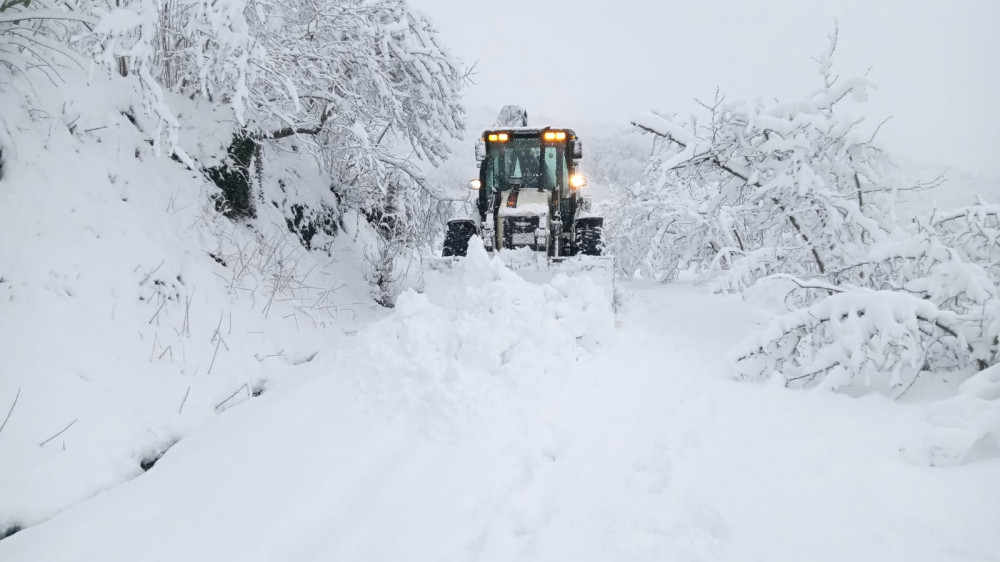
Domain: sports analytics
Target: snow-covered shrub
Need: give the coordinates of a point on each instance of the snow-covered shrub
(944, 316)
(972, 231)
(881, 339)
(37, 35)
(792, 193)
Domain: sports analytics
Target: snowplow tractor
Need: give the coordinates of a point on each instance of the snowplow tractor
(531, 205)
(530, 193)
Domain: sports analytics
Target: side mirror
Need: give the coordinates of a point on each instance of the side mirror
(475, 184)
(577, 149)
(480, 150)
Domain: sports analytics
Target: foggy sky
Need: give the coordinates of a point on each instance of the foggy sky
(935, 62)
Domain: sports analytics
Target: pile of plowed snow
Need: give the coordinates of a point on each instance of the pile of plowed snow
(475, 335)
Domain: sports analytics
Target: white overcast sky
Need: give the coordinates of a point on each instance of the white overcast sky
(936, 62)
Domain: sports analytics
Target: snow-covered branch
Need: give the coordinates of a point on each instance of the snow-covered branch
(860, 337)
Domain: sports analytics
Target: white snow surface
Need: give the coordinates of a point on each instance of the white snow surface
(492, 419)
(131, 311)
(485, 418)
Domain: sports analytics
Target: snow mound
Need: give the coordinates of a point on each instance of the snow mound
(450, 356)
(968, 424)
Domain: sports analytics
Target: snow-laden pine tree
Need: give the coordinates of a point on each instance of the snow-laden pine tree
(793, 196)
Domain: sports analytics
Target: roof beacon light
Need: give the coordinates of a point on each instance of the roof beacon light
(549, 135)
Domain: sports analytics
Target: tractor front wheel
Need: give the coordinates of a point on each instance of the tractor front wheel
(589, 232)
(456, 241)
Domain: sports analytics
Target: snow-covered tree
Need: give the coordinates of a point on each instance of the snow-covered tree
(363, 87)
(792, 196)
(794, 179)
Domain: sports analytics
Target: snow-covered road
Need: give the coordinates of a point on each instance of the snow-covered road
(496, 420)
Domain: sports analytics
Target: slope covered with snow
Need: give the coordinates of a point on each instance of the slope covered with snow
(131, 309)
(493, 419)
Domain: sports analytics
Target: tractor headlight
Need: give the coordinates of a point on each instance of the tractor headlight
(576, 181)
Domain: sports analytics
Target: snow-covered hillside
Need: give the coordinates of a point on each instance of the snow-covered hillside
(131, 310)
(561, 437)
(182, 382)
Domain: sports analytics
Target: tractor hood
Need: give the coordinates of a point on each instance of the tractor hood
(519, 202)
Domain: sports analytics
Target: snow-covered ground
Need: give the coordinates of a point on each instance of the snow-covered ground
(485, 418)
(131, 310)
(494, 419)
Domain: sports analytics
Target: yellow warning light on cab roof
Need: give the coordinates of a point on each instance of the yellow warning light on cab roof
(554, 135)
(498, 137)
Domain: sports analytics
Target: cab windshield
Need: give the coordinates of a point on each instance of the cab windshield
(524, 163)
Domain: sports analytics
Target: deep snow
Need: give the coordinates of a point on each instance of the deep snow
(131, 310)
(493, 419)
(486, 418)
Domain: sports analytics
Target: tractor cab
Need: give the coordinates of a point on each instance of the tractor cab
(529, 193)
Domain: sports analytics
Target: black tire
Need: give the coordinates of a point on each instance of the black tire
(589, 234)
(456, 241)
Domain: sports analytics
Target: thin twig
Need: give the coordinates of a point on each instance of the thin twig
(213, 356)
(186, 326)
(156, 315)
(218, 327)
(219, 405)
(181, 409)
(151, 273)
(11, 411)
(58, 434)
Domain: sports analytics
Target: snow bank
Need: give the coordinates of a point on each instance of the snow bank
(130, 310)
(966, 426)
